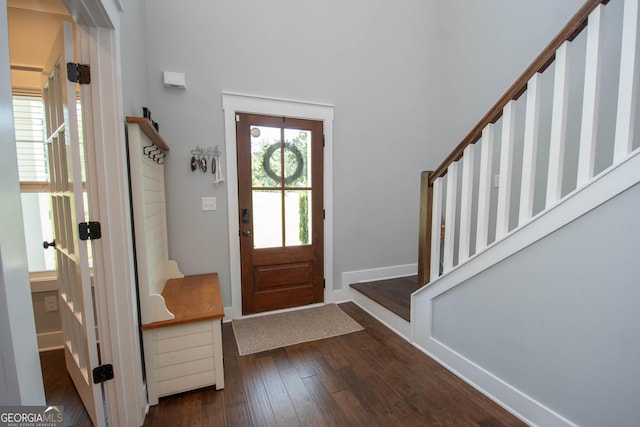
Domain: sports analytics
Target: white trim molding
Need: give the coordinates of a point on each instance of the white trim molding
(233, 103)
(391, 320)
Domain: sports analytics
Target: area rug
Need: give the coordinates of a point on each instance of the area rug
(262, 333)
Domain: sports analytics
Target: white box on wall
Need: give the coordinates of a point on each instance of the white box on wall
(173, 79)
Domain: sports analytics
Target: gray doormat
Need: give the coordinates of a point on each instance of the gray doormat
(262, 333)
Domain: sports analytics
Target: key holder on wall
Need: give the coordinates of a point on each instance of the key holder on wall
(207, 159)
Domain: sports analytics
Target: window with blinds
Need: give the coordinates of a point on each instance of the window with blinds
(28, 112)
(33, 171)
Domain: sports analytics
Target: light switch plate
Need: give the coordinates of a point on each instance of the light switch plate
(51, 303)
(208, 203)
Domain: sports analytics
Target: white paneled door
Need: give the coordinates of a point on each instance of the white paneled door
(72, 254)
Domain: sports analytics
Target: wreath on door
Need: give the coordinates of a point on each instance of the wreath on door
(266, 162)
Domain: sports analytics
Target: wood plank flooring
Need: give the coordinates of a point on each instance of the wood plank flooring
(367, 378)
(393, 294)
(60, 391)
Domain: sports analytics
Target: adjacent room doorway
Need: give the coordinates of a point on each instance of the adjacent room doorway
(280, 211)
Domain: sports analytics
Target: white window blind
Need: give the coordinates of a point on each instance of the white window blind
(29, 127)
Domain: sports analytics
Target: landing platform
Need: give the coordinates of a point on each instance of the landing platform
(393, 294)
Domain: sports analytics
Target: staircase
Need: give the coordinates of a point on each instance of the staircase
(529, 238)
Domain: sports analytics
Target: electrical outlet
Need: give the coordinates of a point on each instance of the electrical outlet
(208, 203)
(51, 303)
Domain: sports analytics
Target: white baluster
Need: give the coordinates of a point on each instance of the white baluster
(436, 220)
(450, 216)
(530, 150)
(590, 104)
(506, 168)
(558, 125)
(468, 160)
(484, 189)
(628, 82)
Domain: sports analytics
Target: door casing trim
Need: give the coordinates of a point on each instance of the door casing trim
(233, 103)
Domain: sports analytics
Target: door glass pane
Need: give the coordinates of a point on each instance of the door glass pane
(296, 158)
(36, 213)
(265, 156)
(297, 206)
(267, 218)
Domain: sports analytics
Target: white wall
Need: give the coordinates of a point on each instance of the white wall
(20, 378)
(559, 320)
(408, 81)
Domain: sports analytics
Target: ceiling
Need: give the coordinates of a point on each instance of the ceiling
(33, 27)
(46, 6)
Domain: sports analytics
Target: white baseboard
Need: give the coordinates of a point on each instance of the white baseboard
(229, 315)
(50, 341)
(350, 277)
(519, 404)
(342, 295)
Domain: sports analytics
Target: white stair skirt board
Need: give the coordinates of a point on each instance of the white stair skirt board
(600, 189)
(391, 320)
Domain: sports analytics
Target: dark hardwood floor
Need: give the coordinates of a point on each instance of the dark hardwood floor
(393, 294)
(367, 378)
(60, 391)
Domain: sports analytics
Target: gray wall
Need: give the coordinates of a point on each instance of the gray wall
(408, 81)
(560, 320)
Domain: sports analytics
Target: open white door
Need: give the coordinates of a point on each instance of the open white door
(65, 169)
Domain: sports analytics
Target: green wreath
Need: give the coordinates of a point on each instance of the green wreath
(266, 162)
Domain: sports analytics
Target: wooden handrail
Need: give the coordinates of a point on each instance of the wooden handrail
(546, 58)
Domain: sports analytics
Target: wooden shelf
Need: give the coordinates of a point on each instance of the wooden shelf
(150, 131)
(191, 299)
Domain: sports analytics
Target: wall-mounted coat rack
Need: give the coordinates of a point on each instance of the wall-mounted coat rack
(157, 147)
(207, 159)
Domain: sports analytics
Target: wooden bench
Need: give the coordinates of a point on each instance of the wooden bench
(185, 353)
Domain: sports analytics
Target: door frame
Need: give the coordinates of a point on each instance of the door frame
(233, 103)
(99, 45)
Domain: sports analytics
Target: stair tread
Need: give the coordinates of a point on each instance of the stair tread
(392, 294)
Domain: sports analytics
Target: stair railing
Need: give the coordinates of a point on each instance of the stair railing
(447, 207)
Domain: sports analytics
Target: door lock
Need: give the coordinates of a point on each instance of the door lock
(246, 215)
(246, 232)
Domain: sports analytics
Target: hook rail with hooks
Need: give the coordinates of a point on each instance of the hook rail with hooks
(207, 159)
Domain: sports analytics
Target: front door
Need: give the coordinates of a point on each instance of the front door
(280, 199)
(72, 255)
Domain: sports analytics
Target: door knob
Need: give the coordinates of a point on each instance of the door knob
(246, 232)
(46, 244)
